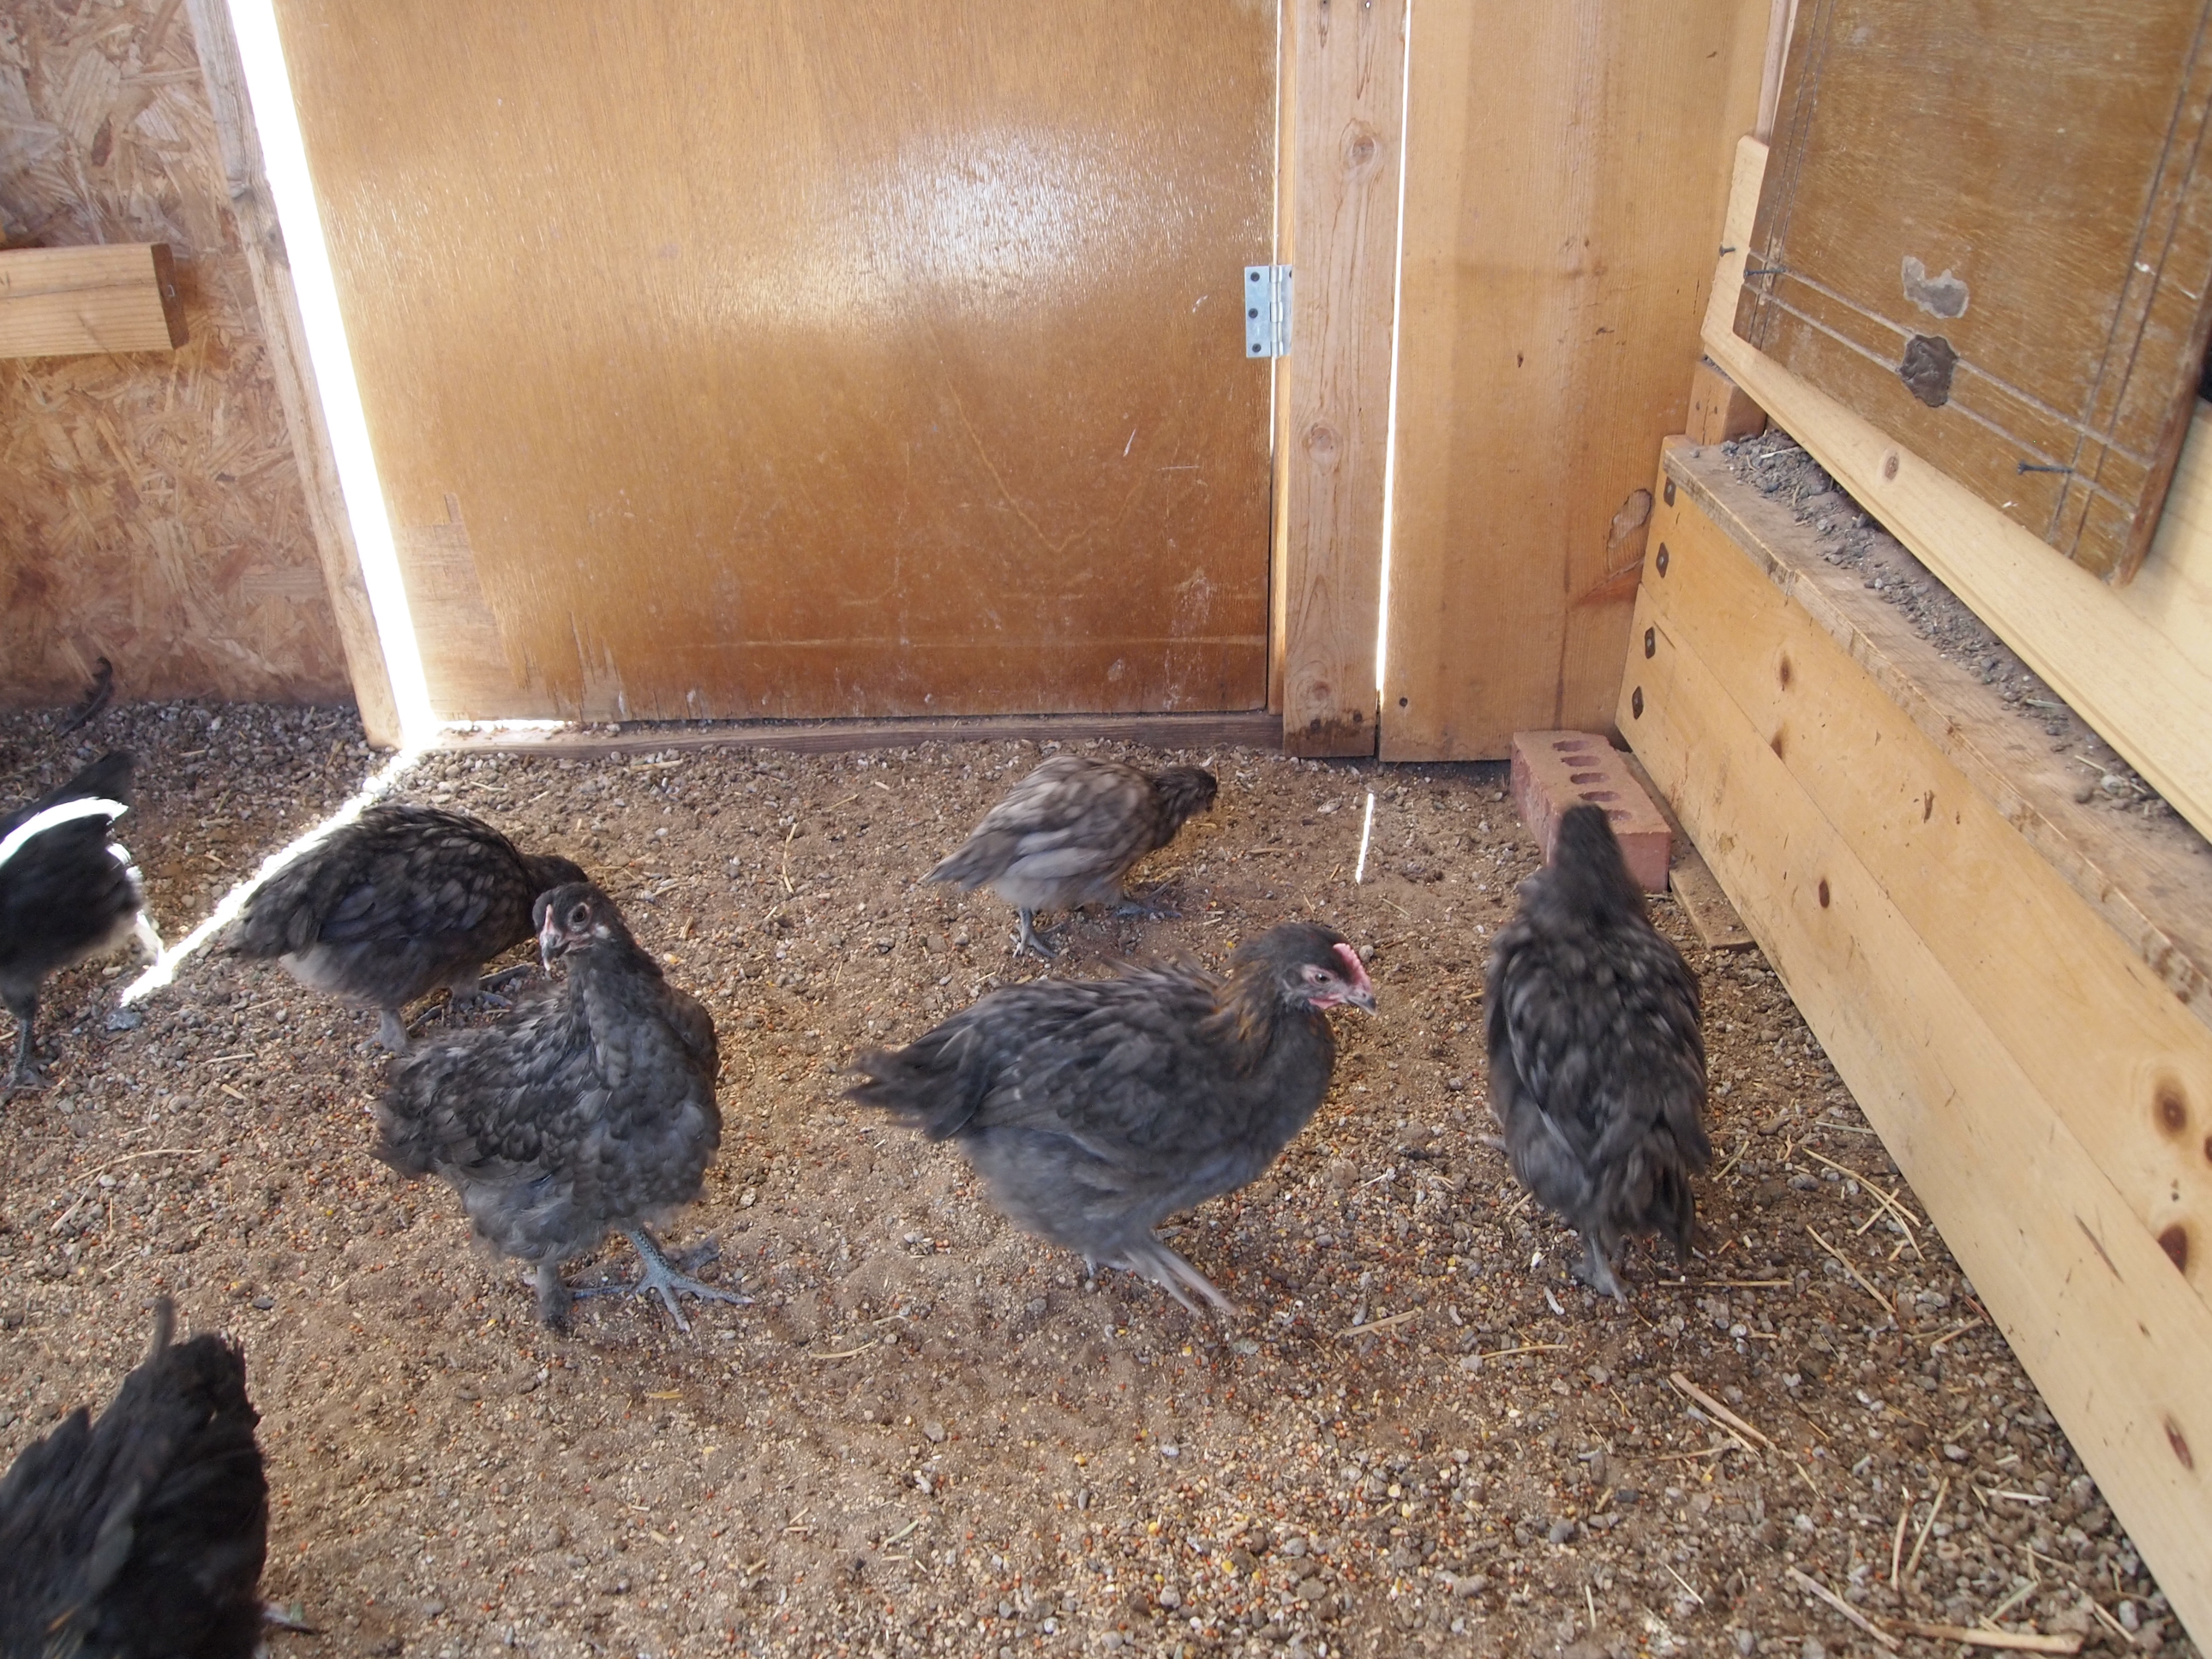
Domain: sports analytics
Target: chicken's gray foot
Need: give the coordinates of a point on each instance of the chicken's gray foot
(1157, 1262)
(390, 1035)
(659, 1274)
(1034, 941)
(1152, 905)
(25, 1073)
(1596, 1271)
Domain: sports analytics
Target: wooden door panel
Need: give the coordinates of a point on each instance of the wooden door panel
(799, 360)
(1988, 230)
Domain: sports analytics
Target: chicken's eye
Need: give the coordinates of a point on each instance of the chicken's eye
(579, 917)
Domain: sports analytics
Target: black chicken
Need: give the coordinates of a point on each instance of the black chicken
(590, 1108)
(141, 1537)
(1096, 1108)
(1597, 1071)
(1070, 831)
(396, 903)
(67, 892)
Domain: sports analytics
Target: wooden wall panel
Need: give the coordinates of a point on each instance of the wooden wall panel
(1345, 81)
(150, 509)
(795, 361)
(1567, 177)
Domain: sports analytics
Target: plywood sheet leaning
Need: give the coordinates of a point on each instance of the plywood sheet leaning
(1990, 232)
(150, 509)
(2040, 1083)
(1563, 195)
(58, 302)
(2134, 661)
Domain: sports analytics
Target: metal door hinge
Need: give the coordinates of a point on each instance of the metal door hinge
(1267, 311)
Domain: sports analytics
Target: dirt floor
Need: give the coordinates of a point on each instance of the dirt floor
(932, 1434)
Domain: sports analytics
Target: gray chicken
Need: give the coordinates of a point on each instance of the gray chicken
(589, 1109)
(67, 893)
(1067, 834)
(1096, 1108)
(141, 1535)
(390, 907)
(1597, 1069)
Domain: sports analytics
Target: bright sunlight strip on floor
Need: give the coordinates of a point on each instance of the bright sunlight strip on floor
(165, 968)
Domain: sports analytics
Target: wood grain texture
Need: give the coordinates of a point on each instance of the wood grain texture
(59, 301)
(1258, 729)
(1563, 198)
(1345, 84)
(817, 363)
(1990, 234)
(284, 341)
(2152, 883)
(1719, 408)
(2050, 1222)
(150, 509)
(2136, 662)
(2112, 1040)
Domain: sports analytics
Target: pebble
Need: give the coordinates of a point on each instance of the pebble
(1561, 1530)
(934, 1432)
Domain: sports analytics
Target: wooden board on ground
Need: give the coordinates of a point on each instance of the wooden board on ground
(1990, 234)
(1259, 730)
(2041, 1089)
(2136, 662)
(60, 301)
(1563, 198)
(1344, 89)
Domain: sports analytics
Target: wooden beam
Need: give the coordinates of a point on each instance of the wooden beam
(285, 341)
(2136, 662)
(1812, 823)
(65, 301)
(1563, 195)
(2106, 1038)
(1719, 408)
(1258, 729)
(1346, 88)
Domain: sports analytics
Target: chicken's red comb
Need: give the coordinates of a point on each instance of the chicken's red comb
(1358, 969)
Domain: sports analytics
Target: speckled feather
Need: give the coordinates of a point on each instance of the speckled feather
(1094, 1110)
(402, 901)
(1066, 834)
(590, 1108)
(141, 1535)
(1597, 1068)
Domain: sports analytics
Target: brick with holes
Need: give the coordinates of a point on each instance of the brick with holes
(1554, 770)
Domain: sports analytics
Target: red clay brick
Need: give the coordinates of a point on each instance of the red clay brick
(1554, 770)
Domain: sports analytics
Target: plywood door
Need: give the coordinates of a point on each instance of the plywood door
(790, 359)
(1988, 230)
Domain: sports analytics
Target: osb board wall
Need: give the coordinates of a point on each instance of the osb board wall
(151, 511)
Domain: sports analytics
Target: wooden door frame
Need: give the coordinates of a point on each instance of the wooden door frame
(1341, 82)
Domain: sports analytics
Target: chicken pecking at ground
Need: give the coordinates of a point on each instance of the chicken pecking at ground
(141, 1537)
(1067, 834)
(589, 1109)
(67, 892)
(1597, 1070)
(400, 901)
(1096, 1108)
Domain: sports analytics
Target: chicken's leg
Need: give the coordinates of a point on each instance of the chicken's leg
(391, 1033)
(465, 992)
(25, 1073)
(1596, 1271)
(1033, 941)
(659, 1274)
(1153, 906)
(1153, 1259)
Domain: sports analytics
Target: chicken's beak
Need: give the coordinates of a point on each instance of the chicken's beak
(551, 942)
(1362, 994)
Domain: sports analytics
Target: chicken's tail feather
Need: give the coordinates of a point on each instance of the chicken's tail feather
(934, 1085)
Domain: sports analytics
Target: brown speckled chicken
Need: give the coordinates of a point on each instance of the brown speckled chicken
(1067, 834)
(589, 1109)
(67, 893)
(1597, 1069)
(390, 907)
(1096, 1108)
(141, 1535)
